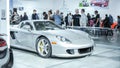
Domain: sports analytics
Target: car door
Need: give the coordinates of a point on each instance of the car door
(24, 35)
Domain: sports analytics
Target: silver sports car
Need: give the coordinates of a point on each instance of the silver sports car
(48, 39)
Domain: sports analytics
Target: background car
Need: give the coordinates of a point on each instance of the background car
(100, 33)
(6, 54)
(48, 39)
(101, 3)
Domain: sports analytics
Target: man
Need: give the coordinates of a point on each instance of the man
(45, 16)
(110, 19)
(76, 18)
(15, 18)
(97, 19)
(83, 19)
(25, 17)
(34, 15)
(106, 21)
(57, 18)
(118, 20)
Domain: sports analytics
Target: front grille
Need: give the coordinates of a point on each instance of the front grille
(3, 53)
(85, 50)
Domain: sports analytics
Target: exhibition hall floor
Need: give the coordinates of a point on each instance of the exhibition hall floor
(106, 55)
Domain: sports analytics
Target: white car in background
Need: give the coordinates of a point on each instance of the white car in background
(6, 54)
(48, 39)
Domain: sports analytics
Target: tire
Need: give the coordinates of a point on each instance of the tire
(10, 62)
(43, 47)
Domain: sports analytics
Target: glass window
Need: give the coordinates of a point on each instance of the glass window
(26, 24)
(47, 25)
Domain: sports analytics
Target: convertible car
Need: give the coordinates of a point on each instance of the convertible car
(48, 39)
(6, 54)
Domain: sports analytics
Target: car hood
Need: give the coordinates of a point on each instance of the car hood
(75, 36)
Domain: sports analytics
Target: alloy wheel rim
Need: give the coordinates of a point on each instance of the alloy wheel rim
(43, 47)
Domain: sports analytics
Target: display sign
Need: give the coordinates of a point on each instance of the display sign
(94, 3)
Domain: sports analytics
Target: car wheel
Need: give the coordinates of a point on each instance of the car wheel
(43, 47)
(10, 62)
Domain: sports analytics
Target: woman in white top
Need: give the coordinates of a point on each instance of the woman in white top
(83, 19)
(70, 19)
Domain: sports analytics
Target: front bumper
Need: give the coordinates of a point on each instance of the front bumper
(72, 50)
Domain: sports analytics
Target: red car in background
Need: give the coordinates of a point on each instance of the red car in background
(101, 3)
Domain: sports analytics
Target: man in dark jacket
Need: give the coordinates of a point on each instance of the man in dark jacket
(118, 20)
(106, 21)
(34, 15)
(25, 17)
(110, 19)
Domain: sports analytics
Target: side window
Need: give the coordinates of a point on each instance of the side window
(39, 25)
(26, 25)
(22, 24)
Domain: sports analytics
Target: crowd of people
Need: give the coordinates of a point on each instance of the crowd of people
(77, 19)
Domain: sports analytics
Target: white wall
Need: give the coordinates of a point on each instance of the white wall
(114, 7)
(45, 5)
(3, 23)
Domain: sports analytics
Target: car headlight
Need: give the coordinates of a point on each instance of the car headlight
(63, 39)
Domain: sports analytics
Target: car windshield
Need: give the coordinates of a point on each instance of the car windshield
(46, 25)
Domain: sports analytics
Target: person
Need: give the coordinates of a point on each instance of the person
(118, 20)
(92, 20)
(110, 19)
(66, 20)
(25, 17)
(76, 18)
(45, 16)
(83, 19)
(69, 19)
(57, 18)
(93, 17)
(35, 15)
(21, 18)
(50, 16)
(97, 19)
(106, 21)
(15, 18)
(89, 18)
(62, 18)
